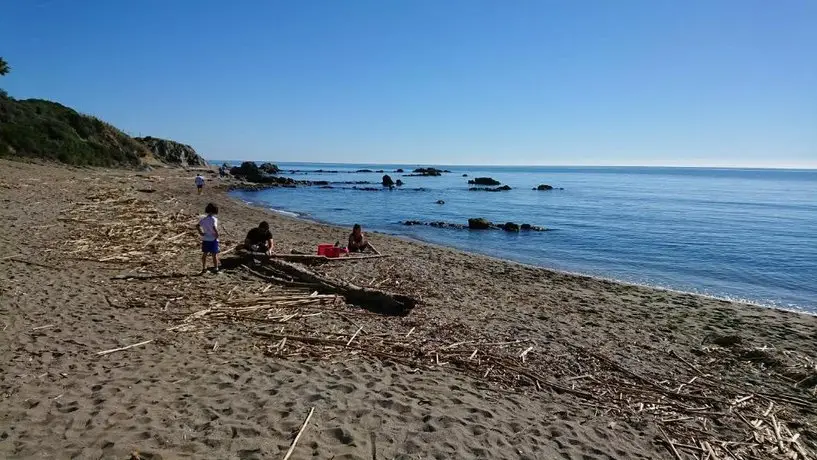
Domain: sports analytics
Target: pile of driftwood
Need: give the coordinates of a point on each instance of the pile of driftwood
(111, 227)
(373, 299)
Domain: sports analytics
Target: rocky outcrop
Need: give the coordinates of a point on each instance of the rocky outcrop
(484, 181)
(269, 168)
(251, 172)
(387, 181)
(398, 170)
(544, 187)
(399, 183)
(172, 153)
(248, 171)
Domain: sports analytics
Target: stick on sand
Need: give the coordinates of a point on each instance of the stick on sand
(113, 350)
(303, 427)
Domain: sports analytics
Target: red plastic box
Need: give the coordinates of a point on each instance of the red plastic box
(324, 248)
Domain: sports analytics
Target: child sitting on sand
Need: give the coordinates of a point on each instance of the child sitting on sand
(208, 229)
(358, 242)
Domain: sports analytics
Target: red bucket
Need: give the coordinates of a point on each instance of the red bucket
(334, 252)
(323, 249)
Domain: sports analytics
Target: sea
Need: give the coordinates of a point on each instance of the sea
(738, 234)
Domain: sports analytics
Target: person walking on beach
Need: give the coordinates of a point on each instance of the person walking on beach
(199, 183)
(208, 229)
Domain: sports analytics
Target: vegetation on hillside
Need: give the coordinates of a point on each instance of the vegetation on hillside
(36, 128)
(4, 67)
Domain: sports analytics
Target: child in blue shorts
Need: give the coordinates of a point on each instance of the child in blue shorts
(208, 229)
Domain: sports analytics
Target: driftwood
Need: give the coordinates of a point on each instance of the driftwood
(309, 259)
(374, 300)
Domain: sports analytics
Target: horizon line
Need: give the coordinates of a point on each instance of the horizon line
(462, 165)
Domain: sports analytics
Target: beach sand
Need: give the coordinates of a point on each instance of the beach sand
(615, 371)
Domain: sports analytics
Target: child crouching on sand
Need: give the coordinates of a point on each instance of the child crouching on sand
(208, 229)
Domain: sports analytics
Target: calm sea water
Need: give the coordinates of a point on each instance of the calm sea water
(743, 234)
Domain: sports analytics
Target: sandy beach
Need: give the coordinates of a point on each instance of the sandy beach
(497, 360)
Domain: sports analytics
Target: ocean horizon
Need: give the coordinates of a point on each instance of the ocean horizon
(731, 233)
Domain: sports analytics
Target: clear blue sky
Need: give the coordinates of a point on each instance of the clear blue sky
(624, 82)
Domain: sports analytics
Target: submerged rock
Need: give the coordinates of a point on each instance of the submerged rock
(504, 188)
(465, 175)
(440, 202)
(479, 223)
(398, 170)
(544, 187)
(364, 171)
(510, 227)
(399, 183)
(428, 172)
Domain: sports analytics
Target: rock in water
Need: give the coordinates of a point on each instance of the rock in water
(171, 152)
(248, 171)
(387, 181)
(544, 187)
(479, 223)
(440, 202)
(399, 183)
(465, 175)
(484, 181)
(428, 171)
(510, 227)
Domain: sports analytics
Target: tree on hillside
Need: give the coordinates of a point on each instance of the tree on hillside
(4, 67)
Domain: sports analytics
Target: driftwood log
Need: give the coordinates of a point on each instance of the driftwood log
(374, 300)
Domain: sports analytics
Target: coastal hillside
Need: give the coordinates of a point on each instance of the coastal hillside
(46, 130)
(40, 129)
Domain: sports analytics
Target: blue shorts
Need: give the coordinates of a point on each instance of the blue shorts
(209, 247)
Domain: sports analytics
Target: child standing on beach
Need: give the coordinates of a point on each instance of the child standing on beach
(199, 183)
(208, 229)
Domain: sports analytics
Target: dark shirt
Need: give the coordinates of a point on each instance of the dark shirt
(258, 236)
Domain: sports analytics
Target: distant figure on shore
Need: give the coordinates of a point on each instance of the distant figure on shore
(358, 242)
(259, 239)
(208, 229)
(199, 183)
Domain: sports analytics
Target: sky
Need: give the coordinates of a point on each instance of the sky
(729, 83)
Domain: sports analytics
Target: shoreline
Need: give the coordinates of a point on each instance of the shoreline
(498, 360)
(302, 217)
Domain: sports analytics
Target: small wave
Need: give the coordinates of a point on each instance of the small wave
(285, 213)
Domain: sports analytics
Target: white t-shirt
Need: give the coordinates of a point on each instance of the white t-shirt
(199, 181)
(209, 225)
